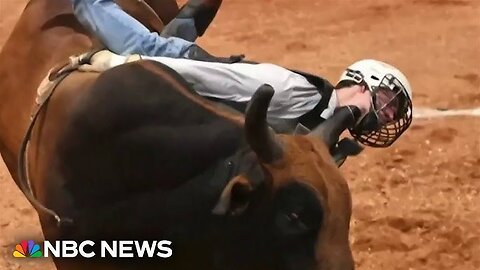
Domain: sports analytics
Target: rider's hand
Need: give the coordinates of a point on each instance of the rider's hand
(102, 61)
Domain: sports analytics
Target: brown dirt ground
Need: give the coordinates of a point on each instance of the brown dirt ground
(415, 205)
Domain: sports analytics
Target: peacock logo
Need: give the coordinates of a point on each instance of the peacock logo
(27, 249)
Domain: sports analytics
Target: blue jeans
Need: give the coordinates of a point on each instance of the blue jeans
(122, 34)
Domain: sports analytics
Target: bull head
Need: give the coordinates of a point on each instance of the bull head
(302, 221)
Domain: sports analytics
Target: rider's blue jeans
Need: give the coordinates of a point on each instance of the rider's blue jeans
(123, 34)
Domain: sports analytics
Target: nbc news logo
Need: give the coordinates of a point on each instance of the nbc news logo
(108, 249)
(27, 250)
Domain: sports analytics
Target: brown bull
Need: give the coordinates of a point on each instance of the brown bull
(134, 153)
(154, 14)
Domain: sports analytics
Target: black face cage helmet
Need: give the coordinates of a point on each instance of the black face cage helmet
(385, 134)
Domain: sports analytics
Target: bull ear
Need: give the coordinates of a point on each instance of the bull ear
(235, 197)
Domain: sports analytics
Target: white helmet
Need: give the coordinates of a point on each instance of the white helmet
(381, 78)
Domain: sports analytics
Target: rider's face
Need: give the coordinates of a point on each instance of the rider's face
(387, 105)
(362, 98)
(384, 101)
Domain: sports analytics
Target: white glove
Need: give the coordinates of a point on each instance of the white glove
(103, 60)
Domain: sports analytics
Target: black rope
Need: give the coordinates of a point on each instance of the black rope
(23, 177)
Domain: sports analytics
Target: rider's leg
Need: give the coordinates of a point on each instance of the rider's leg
(193, 19)
(122, 34)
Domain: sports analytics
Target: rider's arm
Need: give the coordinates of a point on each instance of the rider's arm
(123, 34)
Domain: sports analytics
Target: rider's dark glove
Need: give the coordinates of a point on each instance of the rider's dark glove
(197, 53)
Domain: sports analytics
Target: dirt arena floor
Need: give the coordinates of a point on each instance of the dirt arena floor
(415, 205)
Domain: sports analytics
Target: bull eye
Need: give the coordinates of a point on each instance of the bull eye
(295, 222)
(299, 210)
(293, 217)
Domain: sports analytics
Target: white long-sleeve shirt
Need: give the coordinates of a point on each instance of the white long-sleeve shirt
(294, 95)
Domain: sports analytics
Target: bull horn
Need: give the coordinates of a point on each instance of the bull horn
(259, 136)
(330, 130)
